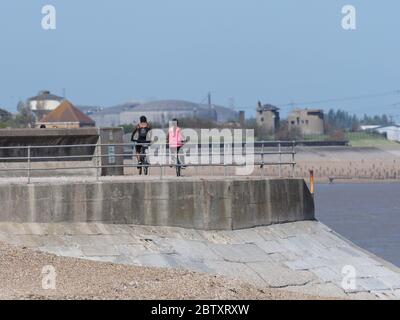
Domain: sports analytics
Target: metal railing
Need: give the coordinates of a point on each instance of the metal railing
(95, 159)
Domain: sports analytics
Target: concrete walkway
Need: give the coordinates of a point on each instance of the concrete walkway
(304, 257)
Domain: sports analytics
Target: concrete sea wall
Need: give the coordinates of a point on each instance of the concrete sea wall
(305, 256)
(212, 204)
(48, 137)
(67, 152)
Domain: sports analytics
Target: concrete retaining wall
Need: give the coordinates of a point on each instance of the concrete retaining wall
(51, 137)
(217, 204)
(83, 139)
(58, 169)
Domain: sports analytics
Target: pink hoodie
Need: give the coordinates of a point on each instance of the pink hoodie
(175, 138)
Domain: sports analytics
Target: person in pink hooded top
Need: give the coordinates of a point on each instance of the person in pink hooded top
(174, 138)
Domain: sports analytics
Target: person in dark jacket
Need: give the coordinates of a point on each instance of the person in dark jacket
(142, 131)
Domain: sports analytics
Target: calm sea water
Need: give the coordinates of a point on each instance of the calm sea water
(366, 214)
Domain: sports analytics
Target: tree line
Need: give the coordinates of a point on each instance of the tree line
(23, 119)
(336, 122)
(340, 119)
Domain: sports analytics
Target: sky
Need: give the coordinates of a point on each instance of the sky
(276, 51)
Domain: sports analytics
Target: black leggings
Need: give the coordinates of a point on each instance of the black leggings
(140, 145)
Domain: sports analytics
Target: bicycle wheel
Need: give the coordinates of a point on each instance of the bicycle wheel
(141, 164)
(145, 164)
(146, 168)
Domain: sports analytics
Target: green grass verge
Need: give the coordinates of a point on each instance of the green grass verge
(363, 139)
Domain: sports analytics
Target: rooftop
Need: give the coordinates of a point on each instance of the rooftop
(159, 105)
(66, 112)
(46, 95)
(307, 110)
(266, 107)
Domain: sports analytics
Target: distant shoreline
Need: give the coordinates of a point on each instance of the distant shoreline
(356, 181)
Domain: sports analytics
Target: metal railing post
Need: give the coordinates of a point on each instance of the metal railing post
(210, 157)
(29, 164)
(262, 159)
(98, 161)
(280, 159)
(293, 153)
(224, 160)
(133, 156)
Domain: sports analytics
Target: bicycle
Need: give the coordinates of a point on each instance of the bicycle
(178, 164)
(143, 164)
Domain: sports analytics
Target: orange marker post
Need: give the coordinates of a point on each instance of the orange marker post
(312, 182)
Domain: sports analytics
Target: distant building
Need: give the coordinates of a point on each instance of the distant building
(5, 115)
(43, 103)
(161, 112)
(242, 118)
(165, 110)
(369, 127)
(309, 121)
(392, 132)
(267, 118)
(65, 116)
(89, 109)
(111, 116)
